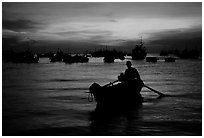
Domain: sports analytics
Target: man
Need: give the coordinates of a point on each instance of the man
(131, 73)
(131, 78)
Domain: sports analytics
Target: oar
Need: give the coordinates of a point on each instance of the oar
(107, 84)
(160, 94)
(110, 83)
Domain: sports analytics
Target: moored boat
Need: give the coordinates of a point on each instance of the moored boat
(139, 52)
(22, 57)
(75, 59)
(108, 59)
(55, 58)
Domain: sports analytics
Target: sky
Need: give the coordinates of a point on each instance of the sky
(88, 25)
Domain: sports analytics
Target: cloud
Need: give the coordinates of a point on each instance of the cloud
(176, 39)
(180, 33)
(102, 23)
(21, 25)
(99, 37)
(11, 42)
(113, 20)
(94, 35)
(85, 32)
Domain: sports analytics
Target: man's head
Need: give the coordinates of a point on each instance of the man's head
(128, 64)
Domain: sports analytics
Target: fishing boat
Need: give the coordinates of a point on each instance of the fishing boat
(118, 95)
(139, 52)
(55, 58)
(22, 57)
(75, 59)
(108, 59)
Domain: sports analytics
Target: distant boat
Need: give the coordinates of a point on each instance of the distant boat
(23, 57)
(151, 59)
(170, 59)
(58, 57)
(55, 58)
(108, 59)
(121, 57)
(139, 52)
(75, 59)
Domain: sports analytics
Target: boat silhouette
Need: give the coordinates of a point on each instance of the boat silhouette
(119, 95)
(139, 52)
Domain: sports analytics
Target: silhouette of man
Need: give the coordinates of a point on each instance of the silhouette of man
(131, 78)
(131, 73)
(132, 82)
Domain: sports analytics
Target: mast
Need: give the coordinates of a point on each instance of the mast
(141, 44)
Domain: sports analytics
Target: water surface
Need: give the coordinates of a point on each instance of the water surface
(50, 99)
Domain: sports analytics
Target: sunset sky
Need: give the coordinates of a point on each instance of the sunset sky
(101, 23)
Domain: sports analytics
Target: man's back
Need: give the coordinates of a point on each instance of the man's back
(131, 74)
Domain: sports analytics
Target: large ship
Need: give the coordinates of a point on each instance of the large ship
(139, 52)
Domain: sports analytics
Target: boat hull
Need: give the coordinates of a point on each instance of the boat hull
(118, 96)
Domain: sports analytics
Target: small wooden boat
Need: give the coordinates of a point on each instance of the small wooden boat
(117, 96)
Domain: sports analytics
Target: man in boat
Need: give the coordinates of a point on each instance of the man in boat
(125, 93)
(131, 73)
(131, 78)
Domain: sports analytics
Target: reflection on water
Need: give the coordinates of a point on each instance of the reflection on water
(115, 122)
(50, 99)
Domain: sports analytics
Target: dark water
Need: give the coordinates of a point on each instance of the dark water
(50, 99)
